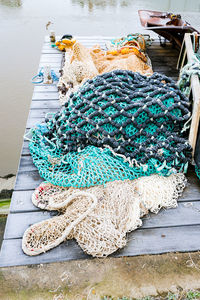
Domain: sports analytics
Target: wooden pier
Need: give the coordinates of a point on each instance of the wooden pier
(170, 231)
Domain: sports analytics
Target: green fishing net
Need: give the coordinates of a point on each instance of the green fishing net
(119, 125)
(197, 170)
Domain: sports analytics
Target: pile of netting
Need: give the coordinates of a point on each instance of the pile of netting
(120, 125)
(99, 217)
(82, 64)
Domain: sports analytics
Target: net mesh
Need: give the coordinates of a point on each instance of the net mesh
(82, 64)
(99, 217)
(120, 125)
(197, 170)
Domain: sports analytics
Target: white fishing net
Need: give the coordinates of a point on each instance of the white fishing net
(99, 217)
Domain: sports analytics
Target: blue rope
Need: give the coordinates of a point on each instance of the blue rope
(40, 76)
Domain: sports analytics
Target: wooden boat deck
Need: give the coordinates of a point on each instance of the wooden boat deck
(169, 231)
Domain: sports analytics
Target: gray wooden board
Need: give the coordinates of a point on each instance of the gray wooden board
(140, 242)
(40, 113)
(21, 199)
(45, 96)
(21, 202)
(54, 65)
(170, 230)
(45, 88)
(28, 179)
(184, 214)
(40, 104)
(37, 116)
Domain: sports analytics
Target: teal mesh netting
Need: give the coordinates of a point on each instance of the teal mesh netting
(197, 170)
(120, 125)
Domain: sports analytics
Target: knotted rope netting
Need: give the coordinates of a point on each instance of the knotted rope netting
(99, 217)
(119, 125)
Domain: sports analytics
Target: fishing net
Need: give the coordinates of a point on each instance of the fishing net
(142, 41)
(99, 217)
(82, 64)
(197, 170)
(109, 61)
(120, 125)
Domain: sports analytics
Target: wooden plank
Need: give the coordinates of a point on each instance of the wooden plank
(40, 113)
(45, 96)
(191, 192)
(21, 202)
(164, 69)
(45, 88)
(155, 52)
(45, 56)
(25, 148)
(66, 251)
(27, 180)
(181, 56)
(50, 51)
(55, 68)
(140, 242)
(165, 61)
(37, 116)
(34, 122)
(26, 164)
(183, 215)
(27, 170)
(56, 58)
(54, 65)
(98, 37)
(40, 104)
(166, 73)
(23, 221)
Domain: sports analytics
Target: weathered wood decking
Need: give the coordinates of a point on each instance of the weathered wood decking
(171, 230)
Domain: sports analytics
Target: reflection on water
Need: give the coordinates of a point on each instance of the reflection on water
(168, 5)
(22, 30)
(12, 3)
(95, 4)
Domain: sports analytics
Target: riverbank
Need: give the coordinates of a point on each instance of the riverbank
(6, 189)
(133, 277)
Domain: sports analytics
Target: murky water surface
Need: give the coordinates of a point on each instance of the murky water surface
(22, 31)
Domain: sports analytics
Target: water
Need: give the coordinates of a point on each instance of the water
(22, 31)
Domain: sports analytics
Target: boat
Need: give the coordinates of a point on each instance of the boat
(168, 25)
